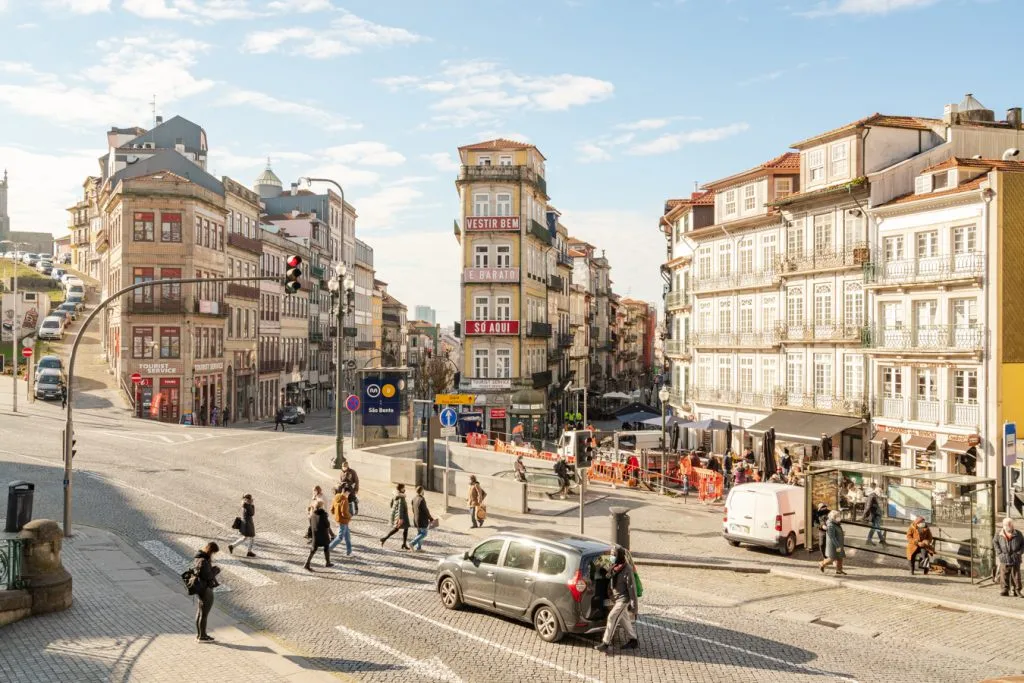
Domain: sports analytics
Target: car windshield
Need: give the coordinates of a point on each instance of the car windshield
(51, 323)
(50, 363)
(291, 409)
(52, 380)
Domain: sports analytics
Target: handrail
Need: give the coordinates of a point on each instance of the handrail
(129, 391)
(11, 553)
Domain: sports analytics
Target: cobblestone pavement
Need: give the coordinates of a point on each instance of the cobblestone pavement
(375, 615)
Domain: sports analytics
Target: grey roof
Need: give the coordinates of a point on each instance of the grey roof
(171, 161)
(268, 177)
(170, 132)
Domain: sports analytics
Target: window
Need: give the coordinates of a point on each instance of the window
(505, 160)
(745, 381)
(730, 202)
(170, 227)
(503, 363)
(142, 294)
(725, 373)
(965, 386)
(892, 315)
(724, 259)
(926, 314)
(893, 248)
(853, 234)
(795, 307)
(823, 234)
(853, 304)
(783, 187)
(769, 252)
(750, 197)
(142, 342)
(965, 312)
(853, 376)
(840, 166)
(794, 374)
(725, 317)
(483, 161)
(769, 313)
(503, 256)
(940, 180)
(480, 256)
(927, 384)
(769, 375)
(488, 552)
(795, 240)
(503, 308)
(704, 263)
(822, 374)
(481, 308)
(170, 292)
(704, 316)
(143, 226)
(551, 563)
(504, 204)
(746, 316)
(892, 382)
(927, 244)
(481, 205)
(746, 256)
(816, 165)
(520, 556)
(965, 239)
(170, 342)
(823, 305)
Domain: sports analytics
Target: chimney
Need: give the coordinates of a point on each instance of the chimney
(1013, 116)
(949, 113)
(159, 120)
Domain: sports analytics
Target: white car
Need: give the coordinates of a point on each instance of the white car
(52, 327)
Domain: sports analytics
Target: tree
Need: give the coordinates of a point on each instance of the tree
(437, 373)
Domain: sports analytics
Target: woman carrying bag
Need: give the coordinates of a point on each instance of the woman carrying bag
(920, 546)
(399, 518)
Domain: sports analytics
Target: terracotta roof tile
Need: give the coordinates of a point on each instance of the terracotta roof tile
(786, 162)
(954, 162)
(876, 119)
(972, 184)
(842, 187)
(499, 144)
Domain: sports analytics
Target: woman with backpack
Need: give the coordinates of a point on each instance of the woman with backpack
(203, 583)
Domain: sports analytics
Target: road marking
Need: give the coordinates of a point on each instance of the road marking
(231, 564)
(176, 562)
(432, 668)
(250, 445)
(282, 546)
(711, 641)
(680, 612)
(146, 492)
(481, 639)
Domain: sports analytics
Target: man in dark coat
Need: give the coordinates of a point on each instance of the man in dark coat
(349, 476)
(320, 526)
(279, 419)
(248, 527)
(206, 575)
(1009, 546)
(421, 519)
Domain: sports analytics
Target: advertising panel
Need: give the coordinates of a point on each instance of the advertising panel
(382, 399)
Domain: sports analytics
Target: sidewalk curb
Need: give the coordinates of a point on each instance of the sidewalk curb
(680, 564)
(906, 595)
(289, 663)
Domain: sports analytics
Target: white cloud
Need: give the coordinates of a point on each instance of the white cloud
(418, 266)
(645, 124)
(3, 5)
(442, 161)
(273, 105)
(365, 154)
(79, 6)
(299, 6)
(42, 185)
(383, 209)
(869, 7)
(348, 34)
(196, 11)
(480, 92)
(590, 152)
(674, 141)
(348, 176)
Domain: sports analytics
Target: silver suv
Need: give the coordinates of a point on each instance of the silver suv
(553, 580)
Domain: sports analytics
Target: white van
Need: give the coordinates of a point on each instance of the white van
(766, 514)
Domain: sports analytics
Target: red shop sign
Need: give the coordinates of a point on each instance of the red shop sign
(492, 327)
(498, 413)
(169, 382)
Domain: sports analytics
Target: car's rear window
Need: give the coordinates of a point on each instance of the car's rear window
(51, 323)
(551, 563)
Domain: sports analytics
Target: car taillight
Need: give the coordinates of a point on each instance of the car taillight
(725, 514)
(778, 522)
(577, 586)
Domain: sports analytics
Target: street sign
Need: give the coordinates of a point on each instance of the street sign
(29, 342)
(352, 403)
(455, 399)
(136, 378)
(1009, 444)
(26, 352)
(447, 431)
(448, 418)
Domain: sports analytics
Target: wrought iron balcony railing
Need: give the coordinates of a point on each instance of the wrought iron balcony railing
(925, 270)
(953, 413)
(924, 338)
(856, 255)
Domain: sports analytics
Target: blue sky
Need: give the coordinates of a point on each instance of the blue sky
(632, 102)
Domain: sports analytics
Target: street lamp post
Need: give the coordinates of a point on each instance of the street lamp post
(15, 329)
(663, 397)
(342, 286)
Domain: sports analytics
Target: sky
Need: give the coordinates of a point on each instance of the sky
(631, 101)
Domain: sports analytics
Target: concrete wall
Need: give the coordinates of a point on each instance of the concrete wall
(502, 494)
(373, 465)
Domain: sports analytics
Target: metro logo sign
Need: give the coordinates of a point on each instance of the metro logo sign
(509, 327)
(492, 223)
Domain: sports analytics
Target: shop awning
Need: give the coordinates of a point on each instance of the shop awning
(891, 437)
(924, 443)
(793, 425)
(953, 446)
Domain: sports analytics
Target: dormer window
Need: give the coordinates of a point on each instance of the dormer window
(940, 181)
(730, 202)
(783, 187)
(931, 182)
(816, 165)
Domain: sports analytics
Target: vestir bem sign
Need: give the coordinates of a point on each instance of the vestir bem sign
(492, 327)
(490, 275)
(492, 223)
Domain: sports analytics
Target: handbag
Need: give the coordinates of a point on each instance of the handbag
(481, 512)
(433, 524)
(237, 524)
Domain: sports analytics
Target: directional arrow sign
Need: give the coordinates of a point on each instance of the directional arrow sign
(432, 668)
(448, 417)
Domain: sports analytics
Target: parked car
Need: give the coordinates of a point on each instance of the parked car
(50, 363)
(75, 288)
(57, 273)
(294, 415)
(63, 314)
(49, 385)
(765, 514)
(556, 581)
(76, 299)
(69, 277)
(71, 308)
(51, 328)
(66, 259)
(47, 269)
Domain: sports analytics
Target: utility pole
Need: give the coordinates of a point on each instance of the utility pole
(15, 329)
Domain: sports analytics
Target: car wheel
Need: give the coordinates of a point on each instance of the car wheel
(789, 546)
(734, 544)
(449, 590)
(546, 622)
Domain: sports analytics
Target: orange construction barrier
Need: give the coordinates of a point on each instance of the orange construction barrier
(709, 484)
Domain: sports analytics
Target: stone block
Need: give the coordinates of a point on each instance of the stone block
(14, 605)
(46, 580)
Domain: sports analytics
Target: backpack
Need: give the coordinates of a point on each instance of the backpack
(190, 577)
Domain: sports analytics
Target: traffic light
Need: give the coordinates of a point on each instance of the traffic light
(64, 444)
(584, 449)
(292, 274)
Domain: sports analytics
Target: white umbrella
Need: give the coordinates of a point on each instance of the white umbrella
(615, 394)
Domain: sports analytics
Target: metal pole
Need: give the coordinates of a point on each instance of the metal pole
(447, 457)
(339, 429)
(663, 444)
(15, 333)
(582, 472)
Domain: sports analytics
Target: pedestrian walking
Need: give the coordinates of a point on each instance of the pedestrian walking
(63, 395)
(399, 518)
(920, 546)
(820, 522)
(476, 501)
(245, 526)
(520, 469)
(279, 419)
(421, 519)
(203, 414)
(321, 531)
(561, 468)
(1009, 547)
(226, 418)
(215, 416)
(342, 516)
(206, 576)
(316, 497)
(633, 470)
(835, 544)
(349, 476)
(873, 513)
(787, 463)
(624, 611)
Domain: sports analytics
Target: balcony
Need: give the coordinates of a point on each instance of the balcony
(539, 330)
(768, 400)
(158, 306)
(677, 299)
(316, 337)
(855, 256)
(925, 339)
(823, 402)
(555, 356)
(677, 347)
(541, 379)
(564, 259)
(822, 332)
(540, 231)
(511, 174)
(928, 411)
(241, 291)
(556, 283)
(928, 270)
(210, 307)
(565, 340)
(734, 281)
(752, 339)
(271, 366)
(249, 244)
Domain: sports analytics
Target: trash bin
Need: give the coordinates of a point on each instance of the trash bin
(19, 504)
(620, 526)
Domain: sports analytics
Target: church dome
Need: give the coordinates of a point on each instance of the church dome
(267, 184)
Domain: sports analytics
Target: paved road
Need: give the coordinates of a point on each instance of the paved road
(166, 488)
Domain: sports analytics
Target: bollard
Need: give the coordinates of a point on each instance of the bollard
(620, 526)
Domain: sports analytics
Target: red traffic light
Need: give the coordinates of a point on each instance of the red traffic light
(294, 261)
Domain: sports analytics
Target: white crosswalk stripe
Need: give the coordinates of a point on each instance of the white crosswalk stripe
(172, 559)
(232, 565)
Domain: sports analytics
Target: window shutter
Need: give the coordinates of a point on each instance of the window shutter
(923, 184)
